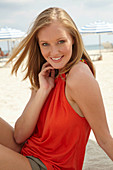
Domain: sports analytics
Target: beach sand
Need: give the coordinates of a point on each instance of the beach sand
(15, 93)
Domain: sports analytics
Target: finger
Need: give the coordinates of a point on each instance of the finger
(45, 65)
(46, 70)
(53, 73)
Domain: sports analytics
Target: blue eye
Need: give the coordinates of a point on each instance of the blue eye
(45, 44)
(61, 42)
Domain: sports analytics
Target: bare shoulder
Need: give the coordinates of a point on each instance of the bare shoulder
(79, 73)
(81, 82)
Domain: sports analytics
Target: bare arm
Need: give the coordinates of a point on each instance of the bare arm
(85, 91)
(26, 123)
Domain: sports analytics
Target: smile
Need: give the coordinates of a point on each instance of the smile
(56, 59)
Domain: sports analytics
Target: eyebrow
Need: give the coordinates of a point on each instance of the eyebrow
(56, 39)
(43, 41)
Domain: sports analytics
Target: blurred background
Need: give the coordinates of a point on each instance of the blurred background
(21, 14)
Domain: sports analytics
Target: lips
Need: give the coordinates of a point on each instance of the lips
(56, 58)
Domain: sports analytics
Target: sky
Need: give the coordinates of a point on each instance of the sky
(20, 14)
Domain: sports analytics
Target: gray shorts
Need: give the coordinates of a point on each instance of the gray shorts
(36, 163)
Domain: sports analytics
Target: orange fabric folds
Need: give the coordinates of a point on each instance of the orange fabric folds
(61, 135)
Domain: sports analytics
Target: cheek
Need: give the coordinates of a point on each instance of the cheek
(44, 52)
(63, 48)
(68, 49)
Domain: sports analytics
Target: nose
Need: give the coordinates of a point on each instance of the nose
(54, 51)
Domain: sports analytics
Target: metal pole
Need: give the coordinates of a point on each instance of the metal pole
(8, 46)
(100, 58)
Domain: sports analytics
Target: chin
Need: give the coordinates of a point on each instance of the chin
(58, 67)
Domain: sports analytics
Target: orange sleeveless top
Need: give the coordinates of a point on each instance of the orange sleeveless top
(61, 135)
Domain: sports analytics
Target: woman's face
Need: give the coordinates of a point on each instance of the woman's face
(55, 44)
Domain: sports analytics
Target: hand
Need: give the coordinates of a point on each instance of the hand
(47, 77)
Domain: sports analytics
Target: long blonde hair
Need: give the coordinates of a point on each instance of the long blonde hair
(29, 46)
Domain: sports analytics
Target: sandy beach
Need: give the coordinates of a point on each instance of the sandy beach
(15, 93)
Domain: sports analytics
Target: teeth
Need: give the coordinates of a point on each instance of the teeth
(56, 58)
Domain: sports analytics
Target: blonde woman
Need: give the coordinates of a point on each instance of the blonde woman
(65, 102)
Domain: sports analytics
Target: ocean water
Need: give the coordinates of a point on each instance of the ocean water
(87, 47)
(93, 47)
